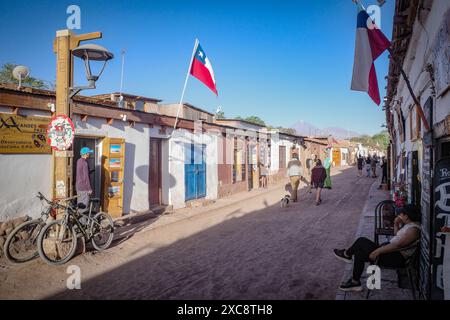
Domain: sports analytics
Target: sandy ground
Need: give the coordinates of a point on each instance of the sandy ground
(245, 249)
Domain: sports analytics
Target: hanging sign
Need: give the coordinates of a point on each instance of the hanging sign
(60, 133)
(23, 134)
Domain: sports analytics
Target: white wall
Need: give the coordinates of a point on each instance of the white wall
(22, 176)
(176, 160)
(275, 143)
(137, 150)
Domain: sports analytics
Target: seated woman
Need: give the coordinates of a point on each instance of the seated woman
(407, 231)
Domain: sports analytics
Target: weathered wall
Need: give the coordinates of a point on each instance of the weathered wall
(22, 176)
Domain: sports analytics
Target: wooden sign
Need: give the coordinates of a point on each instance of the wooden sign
(23, 134)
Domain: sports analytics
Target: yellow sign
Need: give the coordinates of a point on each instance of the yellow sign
(23, 134)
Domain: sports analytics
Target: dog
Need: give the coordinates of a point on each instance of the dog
(285, 201)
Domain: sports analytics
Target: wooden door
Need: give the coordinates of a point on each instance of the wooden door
(195, 171)
(154, 180)
(113, 158)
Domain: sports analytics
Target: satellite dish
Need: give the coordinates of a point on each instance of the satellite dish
(20, 73)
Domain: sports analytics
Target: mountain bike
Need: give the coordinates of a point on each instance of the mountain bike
(20, 246)
(57, 242)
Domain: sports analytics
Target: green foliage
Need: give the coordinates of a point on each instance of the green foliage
(379, 140)
(253, 119)
(220, 115)
(6, 76)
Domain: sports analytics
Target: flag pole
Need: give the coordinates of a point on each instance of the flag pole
(185, 83)
(408, 85)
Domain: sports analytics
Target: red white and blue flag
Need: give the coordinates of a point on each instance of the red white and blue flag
(370, 44)
(201, 68)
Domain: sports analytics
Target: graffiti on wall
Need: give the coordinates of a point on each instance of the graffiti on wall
(441, 259)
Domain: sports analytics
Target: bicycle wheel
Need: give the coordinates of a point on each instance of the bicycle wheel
(57, 243)
(103, 233)
(21, 244)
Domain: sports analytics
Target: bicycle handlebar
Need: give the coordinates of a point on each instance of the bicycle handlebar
(56, 201)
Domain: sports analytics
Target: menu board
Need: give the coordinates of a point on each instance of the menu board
(441, 222)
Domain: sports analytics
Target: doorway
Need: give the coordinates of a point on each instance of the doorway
(154, 179)
(195, 171)
(93, 163)
(416, 187)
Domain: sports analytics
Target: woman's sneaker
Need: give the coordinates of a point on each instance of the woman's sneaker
(340, 254)
(351, 286)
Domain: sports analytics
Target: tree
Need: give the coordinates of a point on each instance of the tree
(253, 119)
(6, 76)
(379, 140)
(220, 115)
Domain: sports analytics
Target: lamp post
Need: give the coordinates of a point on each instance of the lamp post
(65, 44)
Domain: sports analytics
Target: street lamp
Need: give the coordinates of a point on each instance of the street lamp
(88, 52)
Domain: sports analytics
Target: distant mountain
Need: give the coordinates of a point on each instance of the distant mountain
(307, 129)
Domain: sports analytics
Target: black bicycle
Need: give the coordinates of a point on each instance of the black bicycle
(57, 242)
(21, 244)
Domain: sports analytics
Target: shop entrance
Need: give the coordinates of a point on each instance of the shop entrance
(93, 163)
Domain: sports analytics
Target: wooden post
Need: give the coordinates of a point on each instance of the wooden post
(63, 45)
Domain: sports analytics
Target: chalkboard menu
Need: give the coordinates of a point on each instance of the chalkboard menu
(441, 219)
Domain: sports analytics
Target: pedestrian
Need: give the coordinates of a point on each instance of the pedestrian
(407, 231)
(360, 162)
(373, 166)
(384, 170)
(327, 166)
(318, 176)
(310, 163)
(368, 161)
(82, 182)
(295, 172)
(263, 173)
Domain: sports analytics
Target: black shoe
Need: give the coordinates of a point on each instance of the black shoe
(351, 286)
(340, 254)
(317, 203)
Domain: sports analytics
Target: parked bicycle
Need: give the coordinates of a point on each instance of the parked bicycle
(57, 242)
(21, 244)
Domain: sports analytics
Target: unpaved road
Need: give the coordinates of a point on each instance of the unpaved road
(252, 249)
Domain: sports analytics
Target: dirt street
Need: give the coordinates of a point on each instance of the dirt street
(251, 249)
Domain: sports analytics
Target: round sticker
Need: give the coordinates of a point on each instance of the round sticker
(60, 133)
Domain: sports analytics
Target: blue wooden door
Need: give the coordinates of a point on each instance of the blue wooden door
(195, 171)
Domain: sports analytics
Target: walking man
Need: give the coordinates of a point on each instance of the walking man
(360, 162)
(295, 172)
(82, 183)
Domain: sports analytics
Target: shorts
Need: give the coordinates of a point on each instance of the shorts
(318, 185)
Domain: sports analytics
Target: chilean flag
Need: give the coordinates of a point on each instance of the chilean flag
(370, 44)
(201, 68)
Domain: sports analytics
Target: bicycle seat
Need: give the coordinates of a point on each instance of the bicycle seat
(95, 200)
(81, 206)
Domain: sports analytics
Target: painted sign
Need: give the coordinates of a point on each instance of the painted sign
(60, 133)
(114, 163)
(23, 134)
(441, 258)
(115, 148)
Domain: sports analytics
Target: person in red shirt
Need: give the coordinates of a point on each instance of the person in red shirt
(318, 176)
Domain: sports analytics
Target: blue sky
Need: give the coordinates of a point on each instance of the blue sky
(284, 61)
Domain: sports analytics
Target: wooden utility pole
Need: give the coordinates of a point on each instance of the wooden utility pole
(62, 161)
